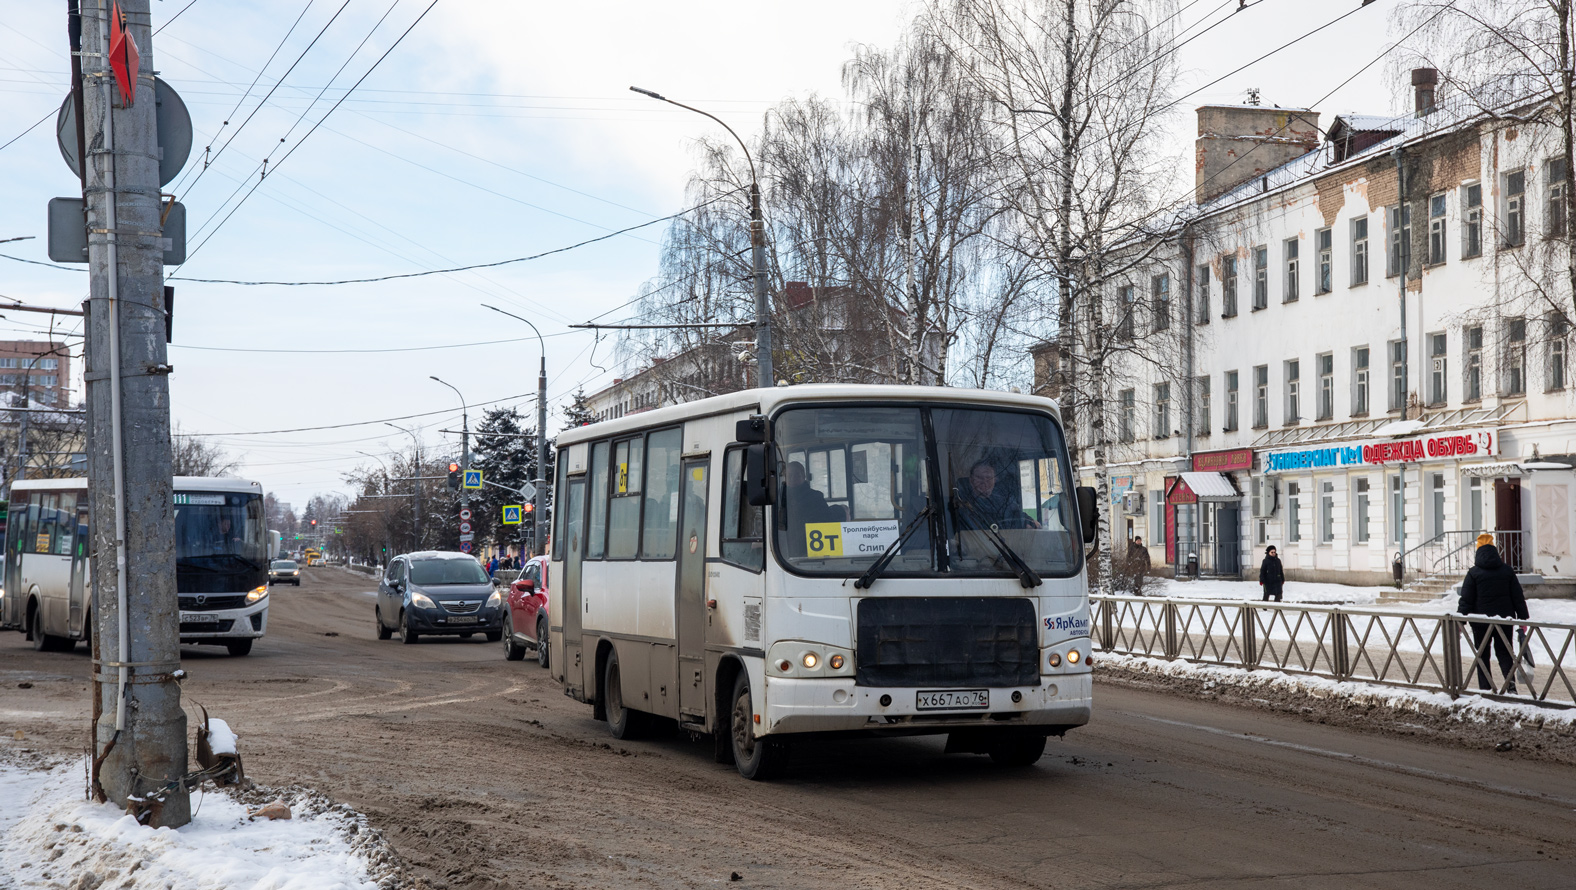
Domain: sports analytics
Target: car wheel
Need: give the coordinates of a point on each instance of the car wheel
(239, 647)
(406, 635)
(1017, 750)
(757, 758)
(541, 642)
(512, 651)
(383, 631)
(623, 722)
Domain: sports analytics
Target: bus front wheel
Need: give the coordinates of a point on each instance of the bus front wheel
(622, 722)
(758, 759)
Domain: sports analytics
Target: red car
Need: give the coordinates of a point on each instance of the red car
(525, 612)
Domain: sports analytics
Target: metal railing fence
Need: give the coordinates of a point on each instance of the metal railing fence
(1438, 652)
(1453, 552)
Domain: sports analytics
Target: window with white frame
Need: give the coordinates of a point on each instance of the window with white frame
(1228, 286)
(1397, 375)
(1515, 357)
(1326, 369)
(1513, 224)
(1231, 401)
(1359, 381)
(1160, 293)
(1475, 504)
(1201, 406)
(1436, 229)
(1129, 308)
(1438, 391)
(1325, 273)
(1261, 277)
(1326, 512)
(1127, 420)
(1360, 250)
(1472, 362)
(1555, 215)
(1472, 220)
(1400, 257)
(1558, 333)
(1396, 513)
(1293, 274)
(1293, 504)
(1162, 410)
(1360, 510)
(1201, 310)
(1261, 397)
(1293, 391)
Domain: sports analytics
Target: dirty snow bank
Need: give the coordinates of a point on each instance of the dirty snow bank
(51, 838)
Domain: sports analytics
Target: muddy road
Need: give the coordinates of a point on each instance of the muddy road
(483, 775)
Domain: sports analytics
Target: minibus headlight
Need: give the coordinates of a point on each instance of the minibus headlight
(811, 661)
(837, 662)
(785, 665)
(1054, 659)
(1072, 656)
(256, 594)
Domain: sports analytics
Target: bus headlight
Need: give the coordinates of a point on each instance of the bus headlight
(1073, 655)
(1054, 659)
(811, 661)
(796, 658)
(256, 594)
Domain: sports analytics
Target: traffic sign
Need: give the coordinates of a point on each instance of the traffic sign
(473, 479)
(465, 514)
(467, 538)
(465, 546)
(465, 528)
(172, 123)
(511, 514)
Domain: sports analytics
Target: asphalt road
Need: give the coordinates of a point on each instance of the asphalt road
(482, 774)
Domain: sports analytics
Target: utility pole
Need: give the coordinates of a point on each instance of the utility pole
(140, 737)
(465, 447)
(538, 501)
(415, 493)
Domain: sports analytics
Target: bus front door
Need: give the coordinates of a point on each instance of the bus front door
(575, 682)
(690, 592)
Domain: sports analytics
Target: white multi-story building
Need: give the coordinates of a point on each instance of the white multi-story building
(1353, 345)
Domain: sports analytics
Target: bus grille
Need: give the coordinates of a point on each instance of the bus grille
(947, 641)
(211, 603)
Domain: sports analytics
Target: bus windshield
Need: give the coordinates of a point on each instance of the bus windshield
(220, 542)
(854, 480)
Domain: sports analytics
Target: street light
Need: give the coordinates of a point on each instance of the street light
(415, 491)
(541, 435)
(763, 317)
(465, 444)
(385, 467)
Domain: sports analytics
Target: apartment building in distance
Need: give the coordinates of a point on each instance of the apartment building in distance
(40, 368)
(1354, 345)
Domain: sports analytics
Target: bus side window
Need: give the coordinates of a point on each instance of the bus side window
(743, 532)
(44, 529)
(82, 528)
(65, 525)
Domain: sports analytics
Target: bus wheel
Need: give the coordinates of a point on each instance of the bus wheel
(42, 642)
(239, 647)
(383, 631)
(757, 758)
(1017, 750)
(512, 651)
(622, 722)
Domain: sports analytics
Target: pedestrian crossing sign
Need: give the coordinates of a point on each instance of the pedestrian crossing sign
(473, 479)
(511, 514)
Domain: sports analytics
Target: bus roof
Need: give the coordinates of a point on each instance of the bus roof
(767, 401)
(70, 483)
(182, 483)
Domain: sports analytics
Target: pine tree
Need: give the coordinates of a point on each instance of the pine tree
(505, 452)
(579, 412)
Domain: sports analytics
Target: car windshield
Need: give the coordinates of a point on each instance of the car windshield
(853, 479)
(436, 572)
(283, 564)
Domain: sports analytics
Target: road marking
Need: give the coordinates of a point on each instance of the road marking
(1365, 761)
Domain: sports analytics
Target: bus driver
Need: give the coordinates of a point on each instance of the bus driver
(981, 505)
(804, 504)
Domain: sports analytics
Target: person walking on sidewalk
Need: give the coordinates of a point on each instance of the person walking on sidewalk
(1491, 588)
(1271, 576)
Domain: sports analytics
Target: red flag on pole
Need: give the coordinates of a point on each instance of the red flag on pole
(123, 55)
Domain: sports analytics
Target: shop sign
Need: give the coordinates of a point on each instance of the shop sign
(1178, 491)
(1382, 452)
(1120, 485)
(1223, 461)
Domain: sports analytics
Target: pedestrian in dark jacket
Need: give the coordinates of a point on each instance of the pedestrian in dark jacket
(1271, 576)
(1491, 588)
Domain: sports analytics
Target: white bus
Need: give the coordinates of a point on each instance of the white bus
(221, 562)
(826, 559)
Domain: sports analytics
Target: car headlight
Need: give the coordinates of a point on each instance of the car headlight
(256, 594)
(422, 600)
(495, 600)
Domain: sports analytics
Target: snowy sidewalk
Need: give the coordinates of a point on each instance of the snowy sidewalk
(1545, 610)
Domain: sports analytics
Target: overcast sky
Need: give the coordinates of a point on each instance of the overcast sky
(495, 130)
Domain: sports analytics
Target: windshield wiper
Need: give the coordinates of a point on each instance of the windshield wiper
(1026, 575)
(879, 566)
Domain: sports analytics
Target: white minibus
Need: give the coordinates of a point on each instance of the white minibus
(842, 559)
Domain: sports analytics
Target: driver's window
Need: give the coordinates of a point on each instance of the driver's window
(389, 574)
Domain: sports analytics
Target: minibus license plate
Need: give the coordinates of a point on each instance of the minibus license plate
(199, 618)
(951, 699)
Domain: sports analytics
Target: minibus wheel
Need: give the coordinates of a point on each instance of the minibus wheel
(758, 759)
(622, 722)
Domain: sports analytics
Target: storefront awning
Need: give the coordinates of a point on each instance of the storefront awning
(1212, 486)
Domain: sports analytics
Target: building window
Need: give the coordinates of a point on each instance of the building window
(1436, 506)
(1261, 277)
(1293, 385)
(1475, 504)
(1231, 401)
(1292, 267)
(1162, 410)
(1201, 406)
(1516, 357)
(1472, 342)
(1129, 416)
(1558, 330)
(1326, 512)
(1396, 514)
(1326, 272)
(1360, 250)
(1129, 308)
(1160, 290)
(1360, 381)
(1554, 217)
(48, 364)
(1326, 365)
(1400, 240)
(1203, 294)
(1293, 521)
(7, 362)
(1436, 229)
(1261, 397)
(1438, 392)
(1514, 229)
(1472, 220)
(1360, 513)
(1228, 286)
(1397, 375)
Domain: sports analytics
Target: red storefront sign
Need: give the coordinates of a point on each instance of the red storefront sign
(1223, 461)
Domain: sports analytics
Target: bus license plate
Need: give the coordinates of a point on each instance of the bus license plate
(198, 618)
(951, 699)
(463, 619)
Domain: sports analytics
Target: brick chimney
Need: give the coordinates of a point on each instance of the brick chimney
(1239, 143)
(1423, 82)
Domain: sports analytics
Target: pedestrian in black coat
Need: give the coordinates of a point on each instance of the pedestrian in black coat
(1271, 576)
(1491, 588)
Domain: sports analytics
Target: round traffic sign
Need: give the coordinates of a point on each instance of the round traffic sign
(465, 528)
(173, 124)
(465, 513)
(465, 546)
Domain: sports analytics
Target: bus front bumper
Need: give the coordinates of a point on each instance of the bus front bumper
(247, 623)
(837, 705)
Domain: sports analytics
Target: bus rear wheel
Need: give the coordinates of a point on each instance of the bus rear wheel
(758, 759)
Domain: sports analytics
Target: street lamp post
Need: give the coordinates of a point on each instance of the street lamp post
(415, 491)
(465, 445)
(763, 317)
(540, 517)
(385, 487)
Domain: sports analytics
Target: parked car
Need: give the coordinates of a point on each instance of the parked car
(438, 592)
(525, 610)
(284, 571)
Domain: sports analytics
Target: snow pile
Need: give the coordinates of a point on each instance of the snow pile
(50, 837)
(221, 738)
(1470, 708)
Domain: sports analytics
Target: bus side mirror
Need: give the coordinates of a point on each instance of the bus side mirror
(1088, 513)
(758, 475)
(750, 430)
